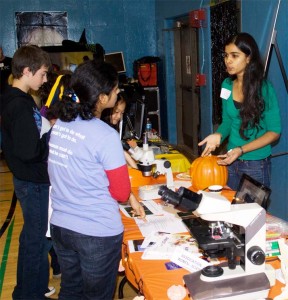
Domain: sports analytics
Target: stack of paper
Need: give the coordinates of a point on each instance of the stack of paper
(161, 245)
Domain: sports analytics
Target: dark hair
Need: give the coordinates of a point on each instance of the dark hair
(29, 56)
(253, 104)
(46, 87)
(53, 111)
(63, 110)
(89, 81)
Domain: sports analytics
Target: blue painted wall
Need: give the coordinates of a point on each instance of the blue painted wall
(118, 25)
(141, 28)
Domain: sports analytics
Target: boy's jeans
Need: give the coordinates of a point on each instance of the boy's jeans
(33, 264)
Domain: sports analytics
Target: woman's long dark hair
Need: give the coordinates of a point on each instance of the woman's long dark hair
(89, 81)
(253, 104)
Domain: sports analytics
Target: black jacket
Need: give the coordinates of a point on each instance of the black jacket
(25, 152)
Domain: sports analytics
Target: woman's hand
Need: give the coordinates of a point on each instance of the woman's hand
(138, 210)
(212, 142)
(229, 157)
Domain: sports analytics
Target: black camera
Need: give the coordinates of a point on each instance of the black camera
(183, 199)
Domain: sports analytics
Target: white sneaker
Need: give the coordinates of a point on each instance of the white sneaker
(57, 275)
(50, 291)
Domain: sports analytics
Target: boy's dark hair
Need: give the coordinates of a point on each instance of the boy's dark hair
(29, 56)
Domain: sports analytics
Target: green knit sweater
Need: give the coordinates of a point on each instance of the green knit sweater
(231, 121)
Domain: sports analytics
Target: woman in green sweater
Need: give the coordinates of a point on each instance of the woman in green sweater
(250, 114)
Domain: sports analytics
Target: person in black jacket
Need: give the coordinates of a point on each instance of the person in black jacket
(26, 155)
(5, 71)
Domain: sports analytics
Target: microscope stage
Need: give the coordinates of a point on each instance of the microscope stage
(248, 287)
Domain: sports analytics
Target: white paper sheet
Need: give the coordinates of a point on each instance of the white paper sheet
(164, 223)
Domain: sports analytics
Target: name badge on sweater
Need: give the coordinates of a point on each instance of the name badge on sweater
(225, 94)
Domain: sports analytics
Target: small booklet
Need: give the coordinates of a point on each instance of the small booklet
(127, 210)
(165, 223)
(162, 245)
(136, 245)
(150, 208)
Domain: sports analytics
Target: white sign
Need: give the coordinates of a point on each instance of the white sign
(189, 260)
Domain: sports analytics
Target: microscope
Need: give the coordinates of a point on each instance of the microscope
(236, 232)
(149, 166)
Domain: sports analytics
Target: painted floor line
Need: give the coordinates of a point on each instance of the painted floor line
(5, 254)
(9, 215)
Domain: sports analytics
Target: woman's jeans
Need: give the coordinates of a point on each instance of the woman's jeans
(89, 264)
(259, 170)
(33, 264)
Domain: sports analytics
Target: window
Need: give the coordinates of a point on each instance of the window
(41, 28)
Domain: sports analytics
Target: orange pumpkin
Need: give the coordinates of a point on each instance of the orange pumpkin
(205, 172)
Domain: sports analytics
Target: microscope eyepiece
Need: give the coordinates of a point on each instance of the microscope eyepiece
(168, 195)
(183, 199)
(162, 189)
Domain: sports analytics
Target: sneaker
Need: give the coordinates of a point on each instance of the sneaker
(50, 291)
(57, 275)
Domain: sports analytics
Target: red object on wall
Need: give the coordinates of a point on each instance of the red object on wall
(147, 74)
(200, 79)
(197, 18)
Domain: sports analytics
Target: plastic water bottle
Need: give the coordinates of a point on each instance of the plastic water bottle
(149, 128)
